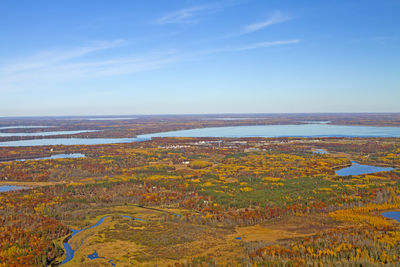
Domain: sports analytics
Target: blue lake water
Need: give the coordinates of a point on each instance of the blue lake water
(95, 255)
(70, 141)
(6, 188)
(58, 156)
(358, 169)
(316, 122)
(46, 133)
(64, 156)
(23, 127)
(392, 215)
(302, 130)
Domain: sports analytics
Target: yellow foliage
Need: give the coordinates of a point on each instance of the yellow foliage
(207, 184)
(271, 179)
(75, 184)
(362, 215)
(246, 189)
(325, 189)
(199, 164)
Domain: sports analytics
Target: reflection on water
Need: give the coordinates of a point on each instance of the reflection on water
(357, 169)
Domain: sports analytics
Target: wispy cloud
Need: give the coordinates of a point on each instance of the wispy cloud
(239, 48)
(276, 18)
(186, 15)
(57, 66)
(51, 57)
(266, 44)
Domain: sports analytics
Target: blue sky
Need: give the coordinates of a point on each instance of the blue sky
(170, 57)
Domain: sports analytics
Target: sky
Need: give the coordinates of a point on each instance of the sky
(96, 57)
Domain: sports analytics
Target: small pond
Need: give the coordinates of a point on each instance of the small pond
(6, 188)
(392, 215)
(320, 151)
(358, 169)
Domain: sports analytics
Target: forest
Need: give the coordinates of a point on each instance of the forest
(202, 202)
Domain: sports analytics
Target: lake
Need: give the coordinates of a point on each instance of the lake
(392, 215)
(58, 156)
(358, 169)
(302, 130)
(23, 127)
(46, 133)
(70, 141)
(6, 188)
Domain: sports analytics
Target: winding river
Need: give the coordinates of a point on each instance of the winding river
(70, 252)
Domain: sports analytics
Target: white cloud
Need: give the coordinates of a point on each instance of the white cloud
(186, 15)
(53, 57)
(276, 18)
(266, 44)
(248, 47)
(55, 67)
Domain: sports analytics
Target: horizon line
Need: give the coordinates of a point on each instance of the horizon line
(197, 114)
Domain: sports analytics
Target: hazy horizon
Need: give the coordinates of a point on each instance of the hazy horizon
(102, 58)
(223, 115)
